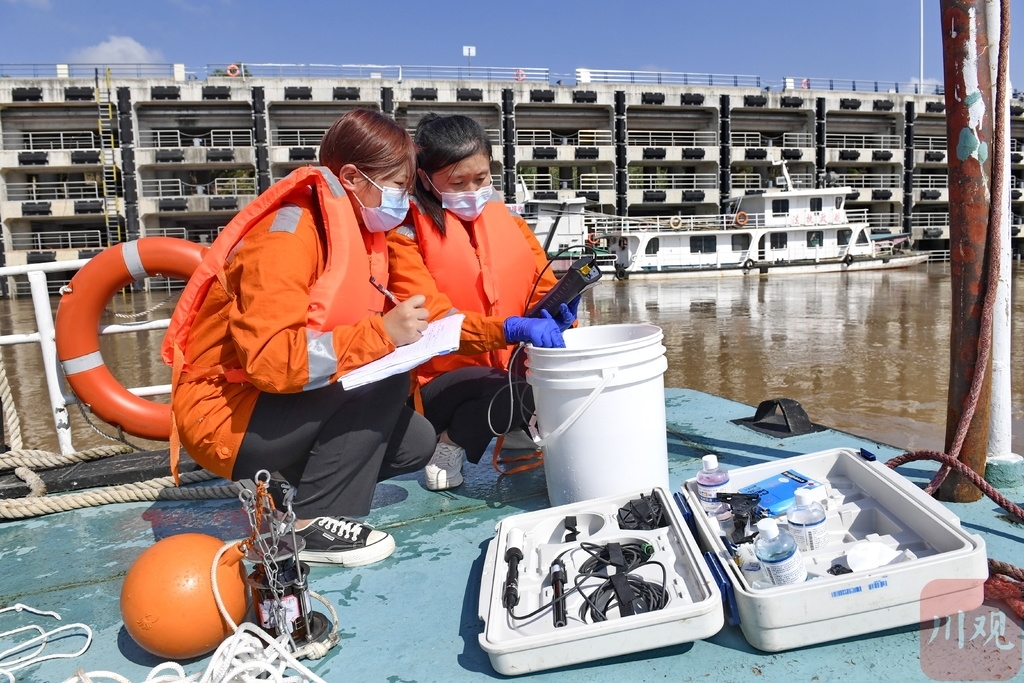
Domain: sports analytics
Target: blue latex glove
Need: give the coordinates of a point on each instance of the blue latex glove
(542, 331)
(567, 314)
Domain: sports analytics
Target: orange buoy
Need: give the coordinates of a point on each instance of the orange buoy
(167, 600)
(78, 318)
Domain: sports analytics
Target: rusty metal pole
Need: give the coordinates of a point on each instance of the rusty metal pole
(969, 126)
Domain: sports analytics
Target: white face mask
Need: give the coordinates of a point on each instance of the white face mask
(394, 204)
(466, 205)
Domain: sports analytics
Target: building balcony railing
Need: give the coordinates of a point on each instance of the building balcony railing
(31, 192)
(297, 137)
(870, 180)
(582, 138)
(845, 141)
(930, 142)
(753, 181)
(672, 138)
(929, 220)
(666, 77)
(232, 137)
(762, 140)
(876, 220)
(673, 181)
(62, 139)
(931, 181)
(172, 187)
(48, 241)
(585, 181)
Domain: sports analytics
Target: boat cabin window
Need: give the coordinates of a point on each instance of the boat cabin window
(862, 237)
(815, 238)
(741, 242)
(652, 247)
(778, 240)
(839, 202)
(815, 203)
(703, 244)
(843, 236)
(780, 206)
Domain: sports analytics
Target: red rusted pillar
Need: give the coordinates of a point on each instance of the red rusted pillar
(969, 126)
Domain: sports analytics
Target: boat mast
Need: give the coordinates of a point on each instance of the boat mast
(976, 207)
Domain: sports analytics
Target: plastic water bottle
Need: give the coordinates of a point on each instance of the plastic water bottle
(806, 519)
(710, 480)
(780, 558)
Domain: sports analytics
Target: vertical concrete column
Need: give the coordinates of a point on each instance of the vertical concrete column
(724, 146)
(508, 142)
(260, 137)
(819, 137)
(621, 162)
(129, 178)
(387, 101)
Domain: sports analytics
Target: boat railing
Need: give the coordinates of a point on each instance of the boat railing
(938, 180)
(162, 139)
(63, 239)
(849, 141)
(673, 181)
(601, 223)
(672, 138)
(929, 220)
(666, 77)
(930, 142)
(44, 336)
(870, 180)
(66, 139)
(31, 192)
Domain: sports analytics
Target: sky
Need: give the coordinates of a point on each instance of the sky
(858, 39)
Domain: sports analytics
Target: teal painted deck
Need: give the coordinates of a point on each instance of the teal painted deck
(413, 617)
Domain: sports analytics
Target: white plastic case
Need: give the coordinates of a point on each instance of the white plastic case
(694, 609)
(866, 501)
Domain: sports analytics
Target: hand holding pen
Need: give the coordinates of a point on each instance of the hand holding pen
(404, 323)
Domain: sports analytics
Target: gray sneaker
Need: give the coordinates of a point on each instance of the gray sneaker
(444, 471)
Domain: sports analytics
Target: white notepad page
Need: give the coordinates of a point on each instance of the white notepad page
(440, 337)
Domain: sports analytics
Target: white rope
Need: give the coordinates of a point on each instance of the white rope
(12, 425)
(43, 460)
(10, 661)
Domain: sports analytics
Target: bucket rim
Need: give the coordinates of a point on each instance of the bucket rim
(655, 335)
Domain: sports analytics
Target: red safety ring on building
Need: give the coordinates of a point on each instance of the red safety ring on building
(233, 70)
(519, 75)
(77, 328)
(805, 84)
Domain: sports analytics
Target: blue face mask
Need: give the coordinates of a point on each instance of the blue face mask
(394, 204)
(467, 205)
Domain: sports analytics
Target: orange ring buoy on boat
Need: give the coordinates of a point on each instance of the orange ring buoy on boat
(592, 239)
(78, 319)
(741, 218)
(233, 70)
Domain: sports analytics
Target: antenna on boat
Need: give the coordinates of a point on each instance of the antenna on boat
(785, 173)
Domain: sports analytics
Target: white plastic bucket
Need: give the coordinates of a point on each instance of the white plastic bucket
(601, 411)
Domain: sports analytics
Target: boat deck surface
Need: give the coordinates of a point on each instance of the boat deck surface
(413, 617)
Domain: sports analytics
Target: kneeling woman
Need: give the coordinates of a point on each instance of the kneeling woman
(281, 307)
(463, 249)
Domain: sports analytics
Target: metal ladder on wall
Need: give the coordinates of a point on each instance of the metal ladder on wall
(106, 117)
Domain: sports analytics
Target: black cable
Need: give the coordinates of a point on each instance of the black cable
(647, 596)
(633, 554)
(560, 252)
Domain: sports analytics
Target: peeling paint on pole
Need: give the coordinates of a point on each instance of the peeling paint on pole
(969, 128)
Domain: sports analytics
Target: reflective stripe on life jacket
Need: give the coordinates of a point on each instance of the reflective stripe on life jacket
(494, 278)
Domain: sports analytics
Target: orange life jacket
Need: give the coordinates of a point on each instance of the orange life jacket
(340, 296)
(494, 278)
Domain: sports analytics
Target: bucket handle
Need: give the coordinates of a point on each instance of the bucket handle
(608, 374)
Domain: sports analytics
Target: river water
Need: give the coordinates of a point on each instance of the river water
(864, 352)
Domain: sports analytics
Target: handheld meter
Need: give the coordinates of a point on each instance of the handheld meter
(581, 276)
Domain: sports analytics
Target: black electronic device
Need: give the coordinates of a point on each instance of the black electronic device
(581, 276)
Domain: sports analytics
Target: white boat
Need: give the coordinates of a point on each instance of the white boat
(779, 229)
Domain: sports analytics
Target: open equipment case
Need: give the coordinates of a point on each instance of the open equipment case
(935, 566)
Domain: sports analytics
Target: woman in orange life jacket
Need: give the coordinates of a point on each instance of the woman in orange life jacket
(287, 309)
(462, 248)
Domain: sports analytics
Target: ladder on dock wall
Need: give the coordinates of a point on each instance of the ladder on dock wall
(106, 118)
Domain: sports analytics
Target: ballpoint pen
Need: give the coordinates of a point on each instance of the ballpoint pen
(380, 288)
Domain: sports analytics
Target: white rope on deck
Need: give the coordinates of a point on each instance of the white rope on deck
(12, 425)
(40, 459)
(162, 488)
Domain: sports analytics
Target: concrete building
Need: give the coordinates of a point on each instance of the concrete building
(92, 156)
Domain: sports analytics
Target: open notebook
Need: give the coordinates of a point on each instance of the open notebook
(440, 337)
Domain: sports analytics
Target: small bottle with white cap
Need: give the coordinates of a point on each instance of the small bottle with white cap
(780, 558)
(806, 520)
(711, 480)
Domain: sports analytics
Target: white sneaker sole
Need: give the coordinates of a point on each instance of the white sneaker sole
(441, 481)
(356, 557)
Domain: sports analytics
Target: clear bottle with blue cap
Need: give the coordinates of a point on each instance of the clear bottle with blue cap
(780, 558)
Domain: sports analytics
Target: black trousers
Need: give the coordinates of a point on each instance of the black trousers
(462, 400)
(334, 445)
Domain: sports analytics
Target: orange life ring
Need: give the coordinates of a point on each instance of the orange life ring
(519, 75)
(741, 218)
(805, 84)
(78, 319)
(592, 239)
(233, 70)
